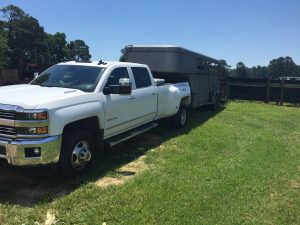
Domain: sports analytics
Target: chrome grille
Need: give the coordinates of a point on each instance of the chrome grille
(9, 115)
(8, 132)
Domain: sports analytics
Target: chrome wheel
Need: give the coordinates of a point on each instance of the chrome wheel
(183, 116)
(81, 155)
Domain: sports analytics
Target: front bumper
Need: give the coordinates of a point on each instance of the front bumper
(14, 150)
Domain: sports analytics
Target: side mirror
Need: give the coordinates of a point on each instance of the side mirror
(124, 86)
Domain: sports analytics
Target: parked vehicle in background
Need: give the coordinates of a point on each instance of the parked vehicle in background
(176, 64)
(67, 113)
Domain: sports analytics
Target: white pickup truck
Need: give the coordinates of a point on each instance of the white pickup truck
(72, 109)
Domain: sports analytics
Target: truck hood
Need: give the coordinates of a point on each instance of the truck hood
(33, 96)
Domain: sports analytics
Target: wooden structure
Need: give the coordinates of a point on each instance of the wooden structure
(275, 90)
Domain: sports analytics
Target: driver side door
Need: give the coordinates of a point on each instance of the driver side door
(119, 110)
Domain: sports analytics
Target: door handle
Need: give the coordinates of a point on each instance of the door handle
(132, 97)
(153, 93)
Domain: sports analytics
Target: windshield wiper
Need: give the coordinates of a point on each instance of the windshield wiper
(44, 85)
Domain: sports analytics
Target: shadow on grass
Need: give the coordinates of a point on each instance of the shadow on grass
(33, 186)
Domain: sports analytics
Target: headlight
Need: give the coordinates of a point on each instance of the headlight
(37, 116)
(32, 115)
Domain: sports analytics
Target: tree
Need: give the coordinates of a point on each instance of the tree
(26, 38)
(57, 47)
(261, 72)
(224, 68)
(78, 50)
(122, 57)
(283, 67)
(241, 70)
(3, 45)
(23, 41)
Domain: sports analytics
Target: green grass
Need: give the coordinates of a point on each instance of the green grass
(238, 166)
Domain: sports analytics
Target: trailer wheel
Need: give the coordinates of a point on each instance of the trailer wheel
(77, 153)
(180, 119)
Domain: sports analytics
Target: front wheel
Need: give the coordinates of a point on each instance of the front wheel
(76, 154)
(180, 119)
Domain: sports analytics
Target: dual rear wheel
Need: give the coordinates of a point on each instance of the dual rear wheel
(180, 119)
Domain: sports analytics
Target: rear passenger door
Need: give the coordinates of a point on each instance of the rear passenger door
(144, 94)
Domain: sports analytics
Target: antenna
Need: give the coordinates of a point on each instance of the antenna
(101, 62)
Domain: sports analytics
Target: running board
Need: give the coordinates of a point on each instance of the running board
(129, 134)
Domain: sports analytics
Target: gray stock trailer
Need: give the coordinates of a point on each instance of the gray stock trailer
(176, 64)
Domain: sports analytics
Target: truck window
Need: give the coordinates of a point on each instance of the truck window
(141, 77)
(116, 75)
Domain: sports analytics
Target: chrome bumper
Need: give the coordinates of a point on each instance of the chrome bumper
(14, 150)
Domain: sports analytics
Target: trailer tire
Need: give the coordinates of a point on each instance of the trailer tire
(180, 119)
(77, 153)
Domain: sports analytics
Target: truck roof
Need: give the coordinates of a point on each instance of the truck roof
(99, 63)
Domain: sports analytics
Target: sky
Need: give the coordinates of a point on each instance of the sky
(251, 31)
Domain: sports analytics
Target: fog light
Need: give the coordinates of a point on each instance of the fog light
(32, 152)
(37, 151)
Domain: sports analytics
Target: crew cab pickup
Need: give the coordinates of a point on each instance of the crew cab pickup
(66, 114)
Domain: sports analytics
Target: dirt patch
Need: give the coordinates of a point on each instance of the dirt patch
(295, 184)
(27, 186)
(124, 173)
(50, 218)
(28, 196)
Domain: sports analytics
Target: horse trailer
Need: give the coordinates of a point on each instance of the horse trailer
(176, 64)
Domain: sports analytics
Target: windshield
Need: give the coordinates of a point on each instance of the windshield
(84, 78)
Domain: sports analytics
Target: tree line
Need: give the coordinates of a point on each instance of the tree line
(280, 67)
(23, 41)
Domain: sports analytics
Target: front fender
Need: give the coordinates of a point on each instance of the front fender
(63, 116)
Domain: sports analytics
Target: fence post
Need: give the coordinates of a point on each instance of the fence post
(228, 88)
(268, 90)
(281, 92)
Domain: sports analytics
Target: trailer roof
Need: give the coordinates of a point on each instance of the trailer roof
(169, 48)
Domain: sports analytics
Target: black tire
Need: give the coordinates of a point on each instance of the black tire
(180, 119)
(76, 143)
